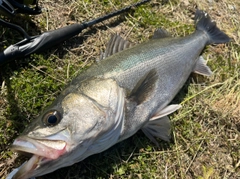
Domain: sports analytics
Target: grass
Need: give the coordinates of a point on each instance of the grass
(206, 130)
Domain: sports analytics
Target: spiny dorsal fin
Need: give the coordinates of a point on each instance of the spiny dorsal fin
(160, 33)
(116, 44)
(202, 68)
(144, 87)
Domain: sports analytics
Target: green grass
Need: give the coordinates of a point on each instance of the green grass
(206, 129)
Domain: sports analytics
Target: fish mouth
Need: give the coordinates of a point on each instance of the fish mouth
(50, 149)
(40, 150)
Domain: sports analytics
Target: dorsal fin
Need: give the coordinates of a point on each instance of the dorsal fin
(116, 44)
(160, 33)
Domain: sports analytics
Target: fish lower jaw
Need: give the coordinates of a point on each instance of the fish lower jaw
(40, 148)
(26, 170)
(42, 151)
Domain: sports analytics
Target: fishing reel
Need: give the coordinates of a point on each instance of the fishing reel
(12, 7)
(41, 42)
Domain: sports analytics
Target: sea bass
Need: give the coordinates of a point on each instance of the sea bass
(129, 89)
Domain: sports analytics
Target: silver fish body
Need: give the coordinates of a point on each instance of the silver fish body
(172, 59)
(128, 90)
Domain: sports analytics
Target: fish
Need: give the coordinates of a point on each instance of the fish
(129, 89)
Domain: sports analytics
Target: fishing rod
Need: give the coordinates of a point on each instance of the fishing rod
(35, 44)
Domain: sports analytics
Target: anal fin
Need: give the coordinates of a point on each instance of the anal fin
(202, 68)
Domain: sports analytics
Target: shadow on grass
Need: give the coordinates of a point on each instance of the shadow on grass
(13, 112)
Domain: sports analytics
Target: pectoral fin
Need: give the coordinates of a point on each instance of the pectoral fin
(144, 88)
(159, 125)
(202, 68)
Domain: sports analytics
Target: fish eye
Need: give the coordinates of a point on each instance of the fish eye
(52, 118)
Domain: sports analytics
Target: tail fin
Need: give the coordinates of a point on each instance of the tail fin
(203, 22)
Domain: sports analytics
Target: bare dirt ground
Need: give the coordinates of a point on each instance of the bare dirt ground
(206, 130)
